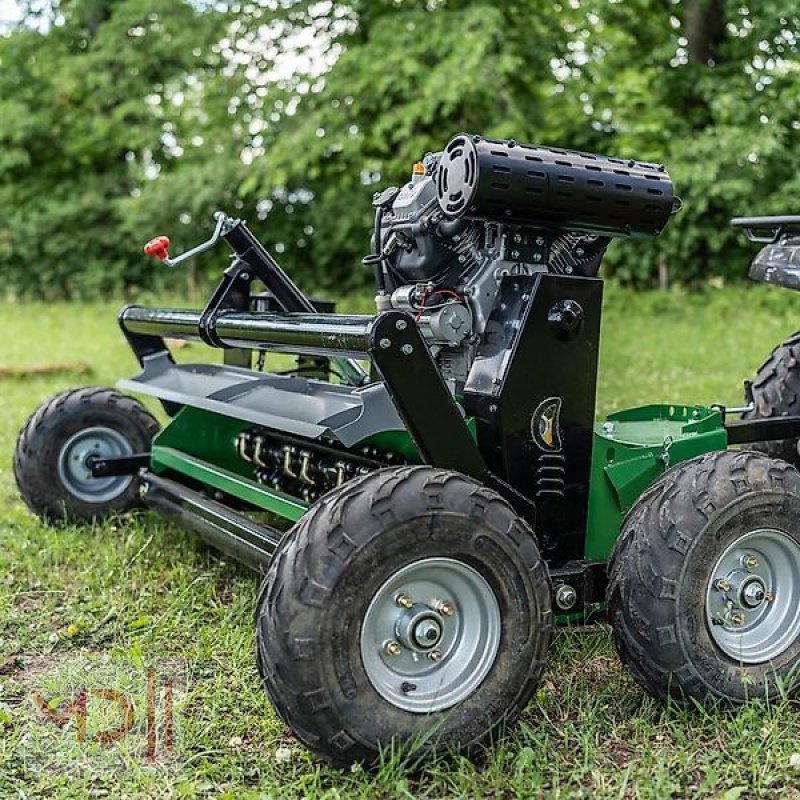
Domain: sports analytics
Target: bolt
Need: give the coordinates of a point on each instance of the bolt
(406, 687)
(538, 257)
(608, 428)
(525, 298)
(401, 324)
(446, 607)
(749, 561)
(435, 655)
(567, 269)
(769, 597)
(404, 600)
(392, 648)
(566, 597)
(517, 238)
(722, 585)
(540, 240)
(385, 343)
(407, 349)
(737, 619)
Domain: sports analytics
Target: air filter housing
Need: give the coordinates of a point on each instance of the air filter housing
(526, 184)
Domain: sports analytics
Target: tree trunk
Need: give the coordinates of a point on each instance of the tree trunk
(705, 30)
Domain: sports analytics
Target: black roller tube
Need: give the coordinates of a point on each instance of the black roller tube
(234, 534)
(177, 323)
(311, 332)
(292, 333)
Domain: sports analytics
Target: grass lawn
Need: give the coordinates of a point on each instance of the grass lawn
(140, 591)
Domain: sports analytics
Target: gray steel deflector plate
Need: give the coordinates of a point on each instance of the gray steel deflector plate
(301, 406)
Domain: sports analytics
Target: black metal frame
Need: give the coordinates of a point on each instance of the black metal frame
(588, 579)
(748, 431)
(108, 466)
(552, 321)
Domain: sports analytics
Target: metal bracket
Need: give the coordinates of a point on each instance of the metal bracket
(762, 430)
(232, 292)
(421, 397)
(106, 467)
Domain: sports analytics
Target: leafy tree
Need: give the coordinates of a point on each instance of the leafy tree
(98, 100)
(709, 87)
(124, 118)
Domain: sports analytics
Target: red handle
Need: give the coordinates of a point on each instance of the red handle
(158, 247)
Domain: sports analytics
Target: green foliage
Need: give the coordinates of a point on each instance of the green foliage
(122, 119)
(93, 109)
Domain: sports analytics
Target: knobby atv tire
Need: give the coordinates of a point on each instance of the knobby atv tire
(43, 436)
(323, 577)
(776, 392)
(661, 568)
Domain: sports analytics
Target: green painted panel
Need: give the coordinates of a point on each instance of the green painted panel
(202, 445)
(228, 482)
(632, 448)
(208, 436)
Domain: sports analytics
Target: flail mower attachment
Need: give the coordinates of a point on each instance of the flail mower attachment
(425, 488)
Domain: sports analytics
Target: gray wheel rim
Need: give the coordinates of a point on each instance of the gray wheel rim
(753, 597)
(430, 635)
(73, 469)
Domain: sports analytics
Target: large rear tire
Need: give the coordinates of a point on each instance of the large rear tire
(776, 392)
(50, 459)
(704, 591)
(410, 608)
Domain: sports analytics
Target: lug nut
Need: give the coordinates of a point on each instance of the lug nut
(749, 561)
(446, 607)
(404, 601)
(435, 655)
(769, 597)
(392, 648)
(737, 619)
(722, 585)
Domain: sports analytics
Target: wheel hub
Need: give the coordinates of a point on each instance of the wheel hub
(74, 464)
(753, 598)
(430, 635)
(419, 628)
(752, 592)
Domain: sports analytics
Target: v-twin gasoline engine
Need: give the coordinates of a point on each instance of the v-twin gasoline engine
(484, 209)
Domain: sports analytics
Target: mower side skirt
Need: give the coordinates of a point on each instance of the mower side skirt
(236, 535)
(228, 482)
